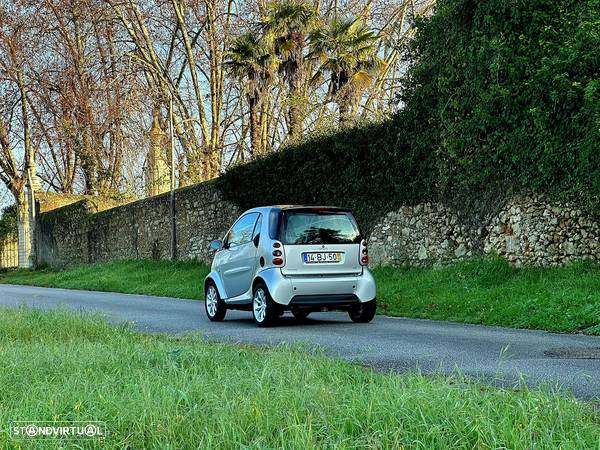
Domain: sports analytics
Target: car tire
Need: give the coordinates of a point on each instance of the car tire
(264, 309)
(214, 306)
(300, 314)
(364, 312)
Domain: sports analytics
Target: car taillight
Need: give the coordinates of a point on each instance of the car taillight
(278, 256)
(364, 253)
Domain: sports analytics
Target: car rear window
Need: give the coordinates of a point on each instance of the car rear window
(303, 228)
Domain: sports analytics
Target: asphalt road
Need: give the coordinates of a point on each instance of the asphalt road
(496, 355)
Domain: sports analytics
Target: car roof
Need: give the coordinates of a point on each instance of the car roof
(304, 208)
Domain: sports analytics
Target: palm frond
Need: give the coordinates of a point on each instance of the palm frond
(361, 79)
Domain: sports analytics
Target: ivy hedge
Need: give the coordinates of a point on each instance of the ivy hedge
(502, 98)
(370, 169)
(509, 94)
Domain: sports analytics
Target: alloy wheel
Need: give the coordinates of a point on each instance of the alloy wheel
(259, 305)
(211, 301)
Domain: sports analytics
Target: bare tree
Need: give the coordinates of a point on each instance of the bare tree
(17, 157)
(83, 99)
(179, 47)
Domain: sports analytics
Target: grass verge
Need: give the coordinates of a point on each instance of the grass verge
(484, 291)
(182, 279)
(156, 391)
(491, 292)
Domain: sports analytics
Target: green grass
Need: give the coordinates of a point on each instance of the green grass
(156, 391)
(182, 279)
(491, 292)
(486, 291)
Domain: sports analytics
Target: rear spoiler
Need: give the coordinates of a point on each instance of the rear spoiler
(316, 209)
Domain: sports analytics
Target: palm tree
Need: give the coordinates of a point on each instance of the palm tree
(250, 60)
(347, 51)
(287, 24)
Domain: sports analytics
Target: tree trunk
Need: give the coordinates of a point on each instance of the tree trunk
(265, 121)
(296, 116)
(296, 109)
(25, 198)
(297, 100)
(88, 163)
(255, 128)
(213, 163)
(344, 108)
(343, 99)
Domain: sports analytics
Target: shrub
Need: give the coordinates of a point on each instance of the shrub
(507, 95)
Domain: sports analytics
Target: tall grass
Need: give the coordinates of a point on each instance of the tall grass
(155, 391)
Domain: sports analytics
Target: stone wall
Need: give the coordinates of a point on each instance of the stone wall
(420, 235)
(48, 201)
(79, 233)
(526, 231)
(529, 231)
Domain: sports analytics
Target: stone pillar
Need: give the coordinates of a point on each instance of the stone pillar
(25, 229)
(157, 163)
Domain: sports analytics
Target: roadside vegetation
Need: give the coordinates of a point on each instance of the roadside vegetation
(484, 291)
(492, 292)
(182, 392)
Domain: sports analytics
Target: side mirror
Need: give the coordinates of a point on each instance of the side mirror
(217, 244)
(256, 240)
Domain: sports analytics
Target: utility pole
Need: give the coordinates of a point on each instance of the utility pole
(172, 193)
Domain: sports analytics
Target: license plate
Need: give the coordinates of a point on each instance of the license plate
(321, 257)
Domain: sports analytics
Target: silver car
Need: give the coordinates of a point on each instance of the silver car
(291, 258)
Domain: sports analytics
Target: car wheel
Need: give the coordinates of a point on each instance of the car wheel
(364, 312)
(300, 314)
(264, 309)
(215, 307)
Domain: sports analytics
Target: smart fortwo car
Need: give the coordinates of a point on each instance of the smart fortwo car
(291, 258)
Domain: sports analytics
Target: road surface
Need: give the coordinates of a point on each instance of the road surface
(496, 355)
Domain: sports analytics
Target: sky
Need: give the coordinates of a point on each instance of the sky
(5, 197)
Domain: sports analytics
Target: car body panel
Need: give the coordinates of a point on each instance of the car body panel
(237, 268)
(214, 277)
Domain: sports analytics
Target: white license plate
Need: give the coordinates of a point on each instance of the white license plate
(322, 257)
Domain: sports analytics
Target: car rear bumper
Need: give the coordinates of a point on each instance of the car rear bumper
(319, 290)
(334, 301)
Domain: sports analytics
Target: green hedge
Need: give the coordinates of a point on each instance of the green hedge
(502, 98)
(369, 169)
(509, 92)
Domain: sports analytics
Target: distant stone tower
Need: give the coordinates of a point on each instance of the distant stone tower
(157, 165)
